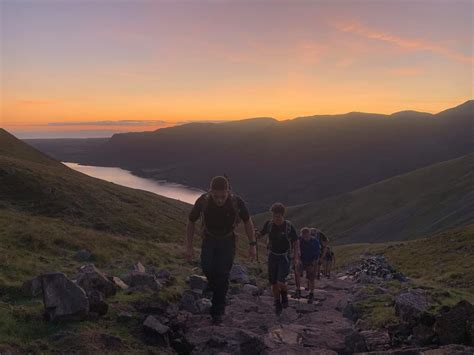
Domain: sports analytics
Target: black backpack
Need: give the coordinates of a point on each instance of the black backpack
(287, 234)
(235, 207)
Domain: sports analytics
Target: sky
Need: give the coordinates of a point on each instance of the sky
(91, 68)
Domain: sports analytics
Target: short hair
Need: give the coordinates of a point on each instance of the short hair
(305, 230)
(278, 208)
(219, 183)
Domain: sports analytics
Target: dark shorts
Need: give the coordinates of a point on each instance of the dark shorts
(278, 268)
(309, 268)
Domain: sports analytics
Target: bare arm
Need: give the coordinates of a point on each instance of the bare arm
(250, 230)
(296, 251)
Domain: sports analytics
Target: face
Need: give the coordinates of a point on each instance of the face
(278, 219)
(220, 197)
(306, 235)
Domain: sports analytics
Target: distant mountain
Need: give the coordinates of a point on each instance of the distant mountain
(294, 161)
(423, 202)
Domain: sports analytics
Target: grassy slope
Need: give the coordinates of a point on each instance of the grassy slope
(47, 213)
(442, 264)
(419, 203)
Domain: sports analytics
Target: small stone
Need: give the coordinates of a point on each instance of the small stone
(251, 290)
(139, 267)
(119, 283)
(203, 305)
(197, 282)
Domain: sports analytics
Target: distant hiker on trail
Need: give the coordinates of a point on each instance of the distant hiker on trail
(220, 211)
(282, 243)
(309, 254)
(328, 262)
(323, 241)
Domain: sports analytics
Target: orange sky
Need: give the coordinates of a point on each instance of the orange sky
(70, 66)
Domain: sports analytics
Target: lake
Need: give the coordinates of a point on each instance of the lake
(126, 178)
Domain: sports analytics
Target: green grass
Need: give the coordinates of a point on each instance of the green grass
(441, 264)
(422, 202)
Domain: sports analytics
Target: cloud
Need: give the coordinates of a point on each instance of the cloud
(401, 42)
(112, 123)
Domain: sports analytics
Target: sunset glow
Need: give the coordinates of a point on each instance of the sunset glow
(68, 66)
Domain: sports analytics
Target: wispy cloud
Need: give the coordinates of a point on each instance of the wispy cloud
(406, 43)
(112, 123)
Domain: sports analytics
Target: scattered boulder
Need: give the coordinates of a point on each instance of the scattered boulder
(455, 325)
(117, 281)
(62, 298)
(83, 255)
(409, 304)
(142, 281)
(203, 305)
(156, 330)
(97, 303)
(197, 282)
(139, 267)
(250, 289)
(91, 279)
(32, 288)
(376, 340)
(355, 343)
(124, 316)
(374, 269)
(188, 301)
(239, 274)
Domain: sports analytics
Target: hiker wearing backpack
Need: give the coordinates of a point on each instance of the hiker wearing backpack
(220, 211)
(309, 254)
(329, 261)
(324, 241)
(282, 246)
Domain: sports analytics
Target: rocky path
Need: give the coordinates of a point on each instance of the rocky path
(250, 325)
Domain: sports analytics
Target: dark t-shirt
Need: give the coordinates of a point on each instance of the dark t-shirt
(219, 220)
(279, 242)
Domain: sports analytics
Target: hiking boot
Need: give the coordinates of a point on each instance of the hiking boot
(216, 319)
(284, 299)
(278, 308)
(310, 298)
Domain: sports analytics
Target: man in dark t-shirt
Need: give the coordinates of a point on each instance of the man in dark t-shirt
(220, 211)
(282, 246)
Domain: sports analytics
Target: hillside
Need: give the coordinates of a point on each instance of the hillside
(422, 202)
(294, 161)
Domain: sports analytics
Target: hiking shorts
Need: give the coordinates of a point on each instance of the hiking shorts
(309, 269)
(278, 268)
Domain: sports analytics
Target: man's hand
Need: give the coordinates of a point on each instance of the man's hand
(189, 254)
(252, 252)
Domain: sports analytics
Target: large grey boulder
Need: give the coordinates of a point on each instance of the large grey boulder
(91, 279)
(409, 304)
(62, 298)
(189, 300)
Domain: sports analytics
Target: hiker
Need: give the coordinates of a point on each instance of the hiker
(220, 211)
(323, 241)
(282, 245)
(310, 249)
(328, 262)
